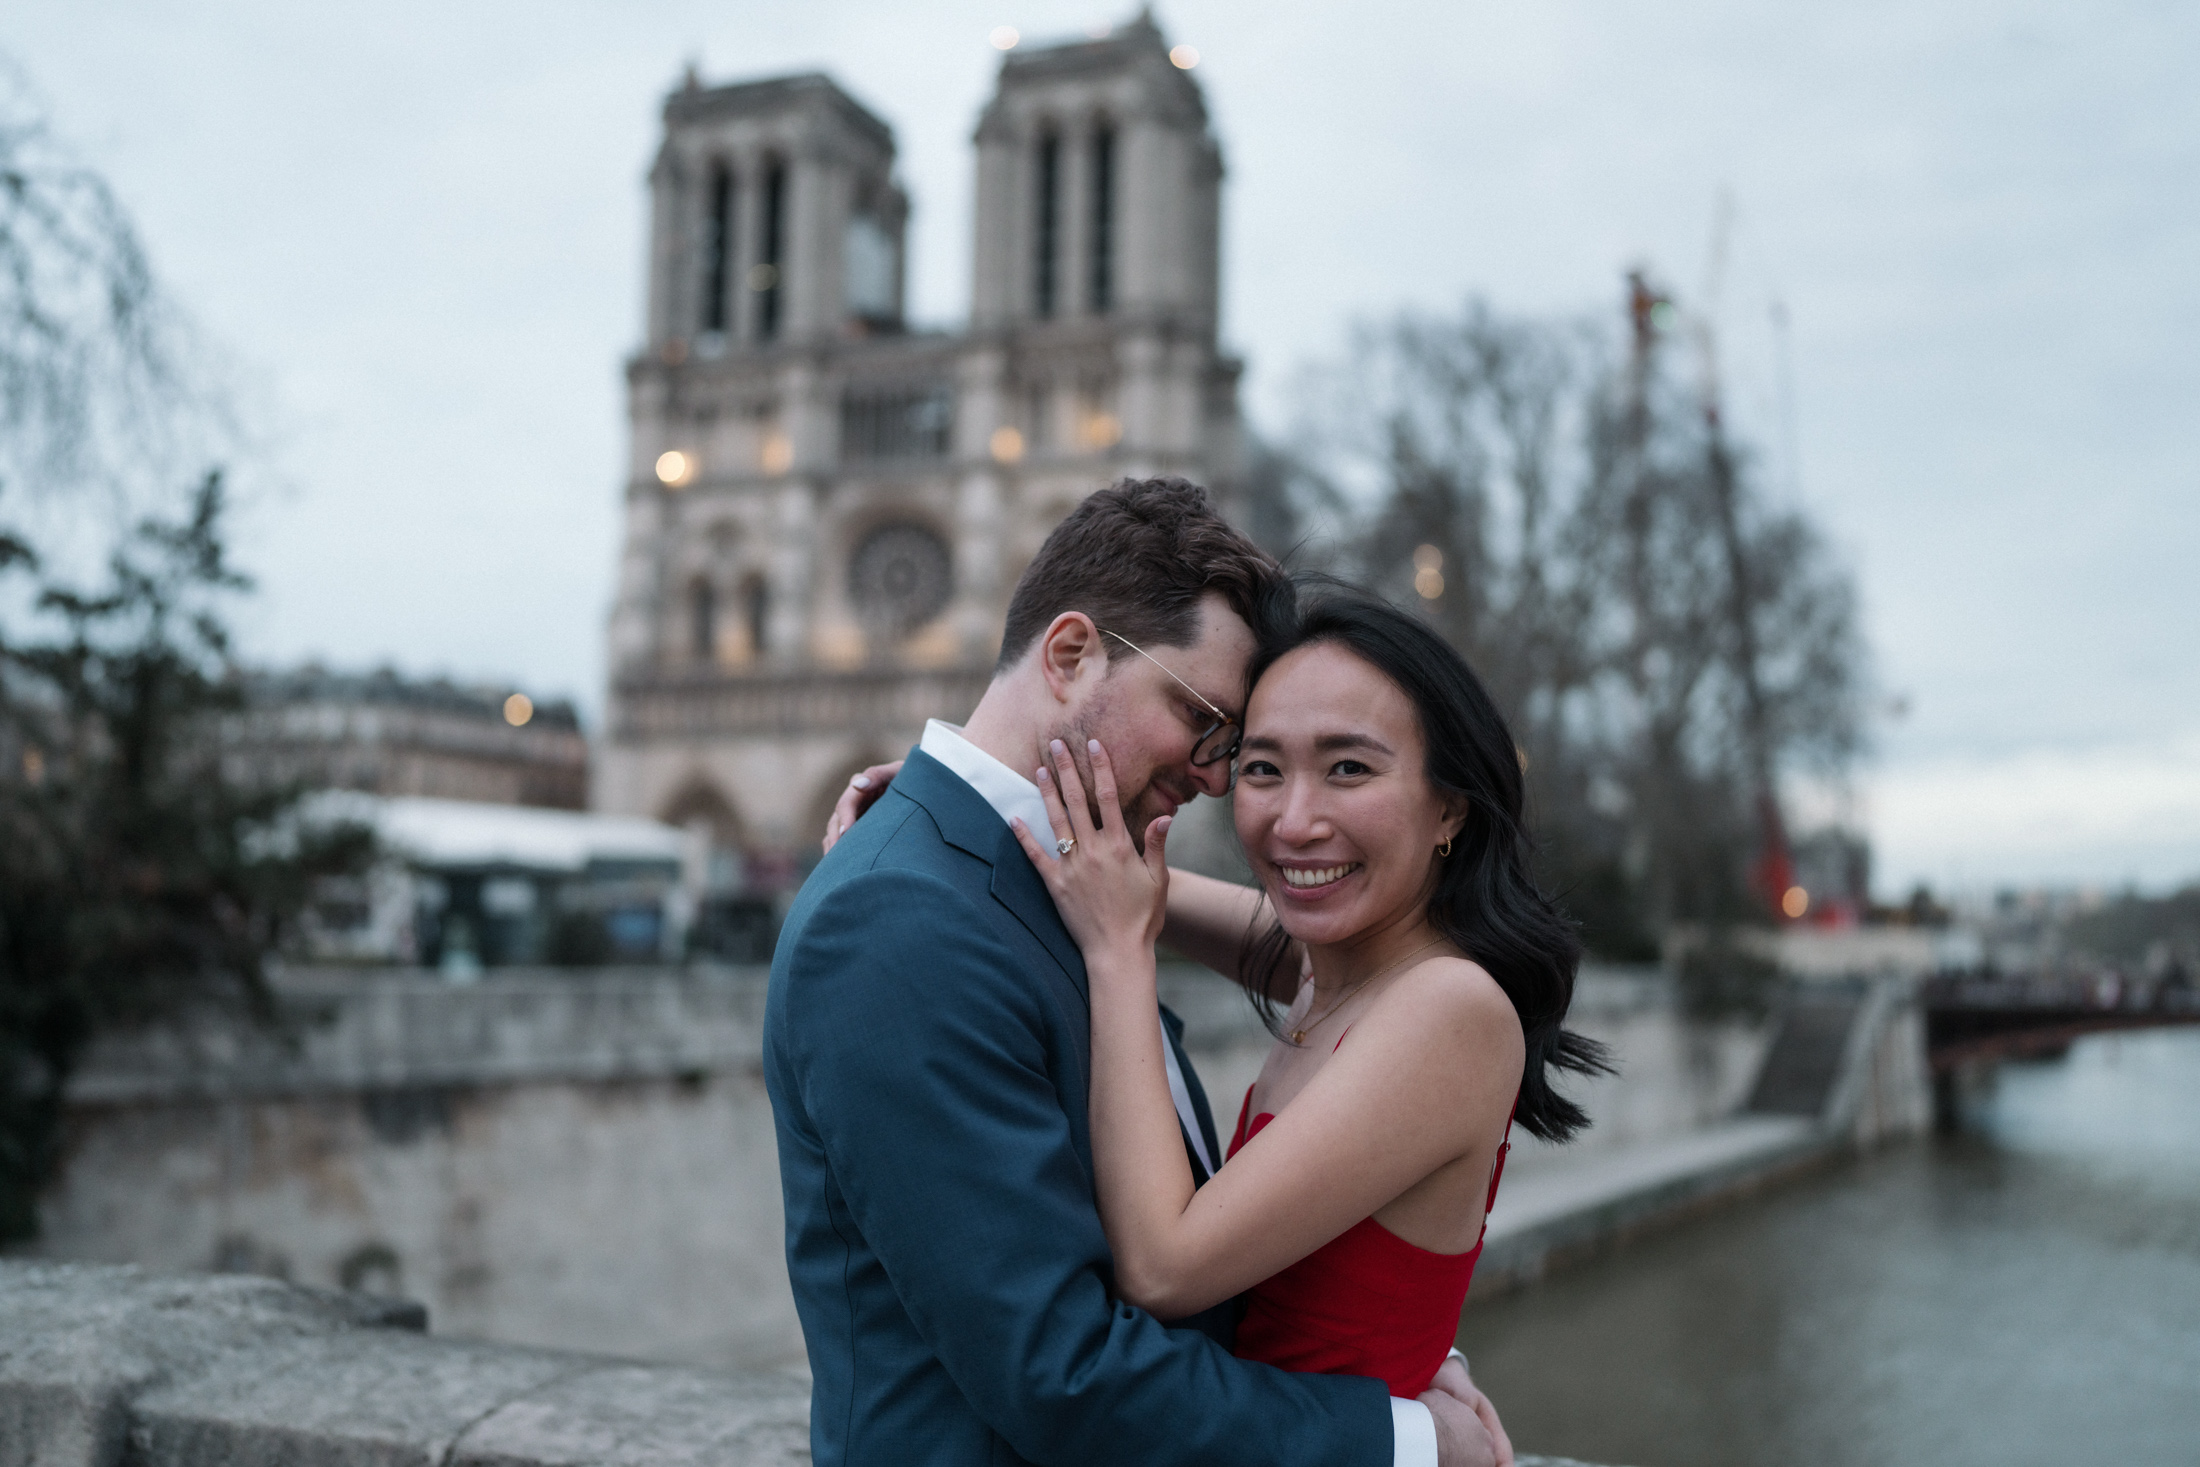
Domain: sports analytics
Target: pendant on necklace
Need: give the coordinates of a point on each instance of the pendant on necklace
(1298, 1036)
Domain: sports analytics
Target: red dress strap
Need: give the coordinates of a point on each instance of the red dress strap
(1497, 1171)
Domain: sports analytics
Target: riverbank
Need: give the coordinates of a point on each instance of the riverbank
(1840, 1067)
(2025, 1291)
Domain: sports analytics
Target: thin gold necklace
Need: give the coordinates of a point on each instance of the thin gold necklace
(1298, 1035)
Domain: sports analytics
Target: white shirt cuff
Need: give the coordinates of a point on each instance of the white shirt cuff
(1412, 1434)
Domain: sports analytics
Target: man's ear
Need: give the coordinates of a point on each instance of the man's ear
(1070, 651)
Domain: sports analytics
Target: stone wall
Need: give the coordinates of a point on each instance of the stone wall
(565, 1160)
(1674, 1074)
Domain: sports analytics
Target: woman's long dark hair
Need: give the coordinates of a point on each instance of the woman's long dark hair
(1486, 900)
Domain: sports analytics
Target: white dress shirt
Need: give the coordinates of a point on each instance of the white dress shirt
(1413, 1429)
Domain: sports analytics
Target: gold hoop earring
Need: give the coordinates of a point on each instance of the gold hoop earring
(1445, 848)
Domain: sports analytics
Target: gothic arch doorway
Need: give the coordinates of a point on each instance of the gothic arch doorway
(733, 922)
(707, 814)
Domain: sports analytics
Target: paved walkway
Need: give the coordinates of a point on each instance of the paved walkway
(1566, 1203)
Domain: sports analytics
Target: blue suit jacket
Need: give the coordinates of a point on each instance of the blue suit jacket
(926, 1044)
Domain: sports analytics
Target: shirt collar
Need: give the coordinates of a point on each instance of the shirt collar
(1009, 793)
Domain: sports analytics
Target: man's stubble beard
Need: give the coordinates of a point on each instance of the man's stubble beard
(1076, 736)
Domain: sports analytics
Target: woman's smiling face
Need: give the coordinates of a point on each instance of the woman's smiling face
(1333, 804)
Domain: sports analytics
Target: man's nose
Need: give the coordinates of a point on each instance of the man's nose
(1212, 779)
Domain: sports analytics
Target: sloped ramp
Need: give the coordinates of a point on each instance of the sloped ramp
(1808, 1052)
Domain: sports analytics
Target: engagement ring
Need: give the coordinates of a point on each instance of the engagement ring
(1065, 845)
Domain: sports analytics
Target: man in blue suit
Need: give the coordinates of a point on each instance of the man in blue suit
(927, 1042)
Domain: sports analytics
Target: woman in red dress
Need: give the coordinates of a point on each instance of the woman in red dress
(1379, 802)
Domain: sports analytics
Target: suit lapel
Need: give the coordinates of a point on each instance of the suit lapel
(969, 824)
(1017, 887)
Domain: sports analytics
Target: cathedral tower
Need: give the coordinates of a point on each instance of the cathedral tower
(825, 511)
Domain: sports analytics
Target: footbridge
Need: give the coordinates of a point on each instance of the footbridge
(1978, 1020)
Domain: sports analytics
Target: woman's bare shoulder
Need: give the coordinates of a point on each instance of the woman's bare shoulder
(1455, 999)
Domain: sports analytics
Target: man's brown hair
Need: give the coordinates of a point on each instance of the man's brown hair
(1137, 557)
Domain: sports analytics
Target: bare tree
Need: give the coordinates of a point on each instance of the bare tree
(103, 383)
(138, 878)
(1665, 642)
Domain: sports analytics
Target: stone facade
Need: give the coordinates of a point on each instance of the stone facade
(382, 734)
(825, 510)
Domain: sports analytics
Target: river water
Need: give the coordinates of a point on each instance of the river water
(2027, 1291)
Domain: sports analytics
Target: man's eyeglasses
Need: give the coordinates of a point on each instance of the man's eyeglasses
(1221, 740)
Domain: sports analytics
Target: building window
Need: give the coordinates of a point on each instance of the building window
(868, 261)
(718, 237)
(1103, 221)
(900, 577)
(702, 622)
(902, 422)
(758, 596)
(766, 279)
(1047, 239)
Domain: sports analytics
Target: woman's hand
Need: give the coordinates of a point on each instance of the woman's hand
(1452, 1379)
(1110, 897)
(862, 792)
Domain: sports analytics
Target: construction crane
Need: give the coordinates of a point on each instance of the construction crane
(1772, 870)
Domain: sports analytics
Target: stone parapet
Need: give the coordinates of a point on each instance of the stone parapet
(349, 1030)
(106, 1366)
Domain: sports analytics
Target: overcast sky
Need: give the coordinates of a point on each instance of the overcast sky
(417, 230)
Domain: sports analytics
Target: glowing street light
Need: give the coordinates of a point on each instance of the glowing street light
(1795, 902)
(1184, 58)
(776, 455)
(518, 709)
(1004, 38)
(674, 469)
(1008, 445)
(1428, 572)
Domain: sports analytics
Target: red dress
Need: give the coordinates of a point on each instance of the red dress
(1366, 1302)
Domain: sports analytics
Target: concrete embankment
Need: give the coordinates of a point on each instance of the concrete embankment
(567, 1160)
(1843, 1066)
(585, 1160)
(1699, 1113)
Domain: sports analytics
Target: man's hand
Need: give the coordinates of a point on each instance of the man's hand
(1453, 1381)
(857, 798)
(1461, 1438)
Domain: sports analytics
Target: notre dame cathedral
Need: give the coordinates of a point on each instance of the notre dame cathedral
(825, 509)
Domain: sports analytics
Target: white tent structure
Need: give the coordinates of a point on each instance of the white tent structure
(445, 833)
(465, 885)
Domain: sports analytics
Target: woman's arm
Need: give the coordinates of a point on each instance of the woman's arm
(1213, 922)
(1425, 1085)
